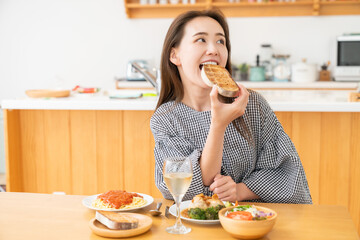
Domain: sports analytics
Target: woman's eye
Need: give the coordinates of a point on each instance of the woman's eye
(221, 41)
(200, 40)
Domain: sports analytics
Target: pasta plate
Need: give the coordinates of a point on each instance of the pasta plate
(87, 202)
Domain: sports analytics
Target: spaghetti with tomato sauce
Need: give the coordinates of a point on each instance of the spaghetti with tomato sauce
(118, 199)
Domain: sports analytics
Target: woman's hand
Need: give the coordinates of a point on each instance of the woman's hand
(223, 114)
(228, 190)
(225, 188)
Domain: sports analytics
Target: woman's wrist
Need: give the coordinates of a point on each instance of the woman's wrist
(217, 127)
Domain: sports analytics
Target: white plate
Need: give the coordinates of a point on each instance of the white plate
(87, 202)
(185, 205)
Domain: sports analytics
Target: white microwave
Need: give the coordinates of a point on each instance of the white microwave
(348, 58)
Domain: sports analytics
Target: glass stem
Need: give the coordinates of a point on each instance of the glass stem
(177, 202)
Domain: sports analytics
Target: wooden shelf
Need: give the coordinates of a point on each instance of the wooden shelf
(246, 9)
(136, 10)
(167, 6)
(340, 7)
(340, 2)
(262, 4)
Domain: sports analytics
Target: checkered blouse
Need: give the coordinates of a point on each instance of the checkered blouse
(271, 167)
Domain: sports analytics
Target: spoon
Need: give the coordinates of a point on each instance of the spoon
(156, 212)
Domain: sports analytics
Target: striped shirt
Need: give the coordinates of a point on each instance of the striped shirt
(269, 166)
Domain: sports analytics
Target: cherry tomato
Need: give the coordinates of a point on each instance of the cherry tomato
(240, 215)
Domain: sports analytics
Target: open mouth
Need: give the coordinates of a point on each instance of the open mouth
(209, 62)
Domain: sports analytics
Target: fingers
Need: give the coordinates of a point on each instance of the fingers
(243, 94)
(226, 192)
(218, 182)
(224, 187)
(214, 94)
(242, 87)
(241, 101)
(215, 183)
(218, 176)
(228, 198)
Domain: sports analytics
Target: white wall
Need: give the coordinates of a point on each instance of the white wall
(52, 43)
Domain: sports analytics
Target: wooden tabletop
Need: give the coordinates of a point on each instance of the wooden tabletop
(46, 216)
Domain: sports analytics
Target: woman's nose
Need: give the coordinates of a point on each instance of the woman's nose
(212, 50)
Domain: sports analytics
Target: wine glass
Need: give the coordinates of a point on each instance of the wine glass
(178, 173)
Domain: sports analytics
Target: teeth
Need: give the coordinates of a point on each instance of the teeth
(212, 63)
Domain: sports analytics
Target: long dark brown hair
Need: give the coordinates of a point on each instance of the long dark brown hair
(171, 85)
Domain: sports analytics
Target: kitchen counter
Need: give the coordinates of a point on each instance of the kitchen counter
(48, 216)
(325, 85)
(279, 100)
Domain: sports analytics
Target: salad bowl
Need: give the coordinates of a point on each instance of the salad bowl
(254, 224)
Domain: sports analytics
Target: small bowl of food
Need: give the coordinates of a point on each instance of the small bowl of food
(247, 221)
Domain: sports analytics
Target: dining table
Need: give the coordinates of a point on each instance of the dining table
(52, 216)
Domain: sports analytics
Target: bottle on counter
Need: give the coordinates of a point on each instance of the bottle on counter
(257, 73)
(266, 53)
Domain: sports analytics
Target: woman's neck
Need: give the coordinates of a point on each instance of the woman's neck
(197, 98)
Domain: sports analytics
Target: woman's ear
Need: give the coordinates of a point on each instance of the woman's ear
(174, 57)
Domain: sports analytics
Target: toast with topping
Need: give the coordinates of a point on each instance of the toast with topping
(118, 221)
(219, 76)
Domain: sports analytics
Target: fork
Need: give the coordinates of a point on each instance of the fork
(167, 211)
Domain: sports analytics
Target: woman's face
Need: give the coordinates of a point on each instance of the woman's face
(203, 42)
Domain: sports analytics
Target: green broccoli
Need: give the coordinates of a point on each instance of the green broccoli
(219, 207)
(212, 213)
(197, 213)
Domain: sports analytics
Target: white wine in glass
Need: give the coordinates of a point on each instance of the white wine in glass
(177, 176)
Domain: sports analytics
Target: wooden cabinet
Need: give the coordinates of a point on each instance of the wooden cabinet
(246, 9)
(88, 152)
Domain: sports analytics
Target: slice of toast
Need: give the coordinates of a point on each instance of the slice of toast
(219, 76)
(118, 221)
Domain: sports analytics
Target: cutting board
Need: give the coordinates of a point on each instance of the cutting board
(44, 93)
(354, 97)
(145, 223)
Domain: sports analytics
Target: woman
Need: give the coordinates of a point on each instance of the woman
(238, 147)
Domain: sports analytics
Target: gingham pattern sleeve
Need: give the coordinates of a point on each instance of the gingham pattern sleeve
(169, 144)
(278, 175)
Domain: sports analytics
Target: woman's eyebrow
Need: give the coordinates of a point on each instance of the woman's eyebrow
(205, 33)
(200, 33)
